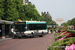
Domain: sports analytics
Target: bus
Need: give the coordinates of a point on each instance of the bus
(30, 28)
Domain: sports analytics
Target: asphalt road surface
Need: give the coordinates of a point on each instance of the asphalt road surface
(36, 43)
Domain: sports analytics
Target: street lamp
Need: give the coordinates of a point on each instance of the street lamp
(52, 26)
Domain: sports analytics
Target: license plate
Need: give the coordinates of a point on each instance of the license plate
(21, 32)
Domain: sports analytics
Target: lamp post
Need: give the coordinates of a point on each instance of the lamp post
(52, 26)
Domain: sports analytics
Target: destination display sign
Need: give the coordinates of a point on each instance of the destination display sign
(19, 23)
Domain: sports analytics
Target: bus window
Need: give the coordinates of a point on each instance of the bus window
(36, 26)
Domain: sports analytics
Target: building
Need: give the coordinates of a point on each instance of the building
(26, 2)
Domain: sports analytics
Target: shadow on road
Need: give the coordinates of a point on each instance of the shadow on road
(27, 37)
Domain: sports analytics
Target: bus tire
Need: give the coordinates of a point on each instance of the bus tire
(41, 35)
(19, 37)
(13, 37)
(32, 35)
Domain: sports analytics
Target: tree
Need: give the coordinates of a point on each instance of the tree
(62, 24)
(1, 9)
(10, 9)
(65, 26)
(14, 9)
(47, 17)
(29, 12)
(73, 21)
(69, 22)
(19, 7)
(12, 13)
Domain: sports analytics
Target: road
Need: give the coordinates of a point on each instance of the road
(36, 43)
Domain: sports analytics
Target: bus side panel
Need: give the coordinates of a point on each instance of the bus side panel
(29, 33)
(43, 31)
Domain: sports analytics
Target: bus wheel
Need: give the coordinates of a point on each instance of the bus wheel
(13, 37)
(19, 37)
(32, 35)
(41, 35)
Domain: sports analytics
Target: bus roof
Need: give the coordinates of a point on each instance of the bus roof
(35, 22)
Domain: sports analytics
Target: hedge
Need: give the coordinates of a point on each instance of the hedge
(59, 45)
(71, 31)
(61, 36)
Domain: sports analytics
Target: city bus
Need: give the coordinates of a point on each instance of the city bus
(30, 28)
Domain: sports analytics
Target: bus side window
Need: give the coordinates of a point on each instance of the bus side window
(27, 26)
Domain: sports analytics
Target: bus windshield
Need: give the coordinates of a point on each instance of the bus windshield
(20, 28)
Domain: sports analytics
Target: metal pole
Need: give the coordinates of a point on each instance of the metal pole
(3, 31)
(9, 29)
(52, 28)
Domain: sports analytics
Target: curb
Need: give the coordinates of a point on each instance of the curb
(5, 39)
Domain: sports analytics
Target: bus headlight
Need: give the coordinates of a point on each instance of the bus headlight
(14, 32)
(25, 33)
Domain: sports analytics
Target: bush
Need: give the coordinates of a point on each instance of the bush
(59, 45)
(71, 31)
(62, 30)
(56, 34)
(61, 36)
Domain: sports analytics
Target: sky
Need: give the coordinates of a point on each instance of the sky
(57, 8)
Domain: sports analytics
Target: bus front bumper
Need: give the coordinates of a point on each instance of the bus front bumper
(20, 35)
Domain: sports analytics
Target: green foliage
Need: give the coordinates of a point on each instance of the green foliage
(1, 9)
(61, 36)
(42, 18)
(61, 44)
(9, 10)
(56, 34)
(73, 21)
(47, 17)
(65, 26)
(14, 9)
(71, 31)
(28, 11)
(5, 22)
(69, 22)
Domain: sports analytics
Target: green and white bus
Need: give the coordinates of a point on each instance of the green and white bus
(30, 28)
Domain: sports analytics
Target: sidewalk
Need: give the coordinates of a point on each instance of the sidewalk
(5, 39)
